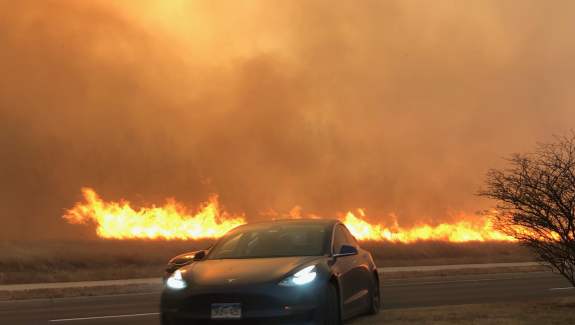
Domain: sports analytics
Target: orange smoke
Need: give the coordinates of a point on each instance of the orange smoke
(119, 220)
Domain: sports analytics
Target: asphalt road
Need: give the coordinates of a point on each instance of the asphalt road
(407, 293)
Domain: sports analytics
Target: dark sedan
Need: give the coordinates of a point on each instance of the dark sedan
(292, 271)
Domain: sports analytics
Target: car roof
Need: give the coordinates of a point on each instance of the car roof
(302, 222)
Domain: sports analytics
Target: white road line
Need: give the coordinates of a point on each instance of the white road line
(101, 317)
(565, 288)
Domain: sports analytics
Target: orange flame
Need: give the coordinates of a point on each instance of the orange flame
(172, 221)
(119, 220)
(459, 232)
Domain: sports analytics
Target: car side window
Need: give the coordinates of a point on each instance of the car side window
(339, 238)
(351, 239)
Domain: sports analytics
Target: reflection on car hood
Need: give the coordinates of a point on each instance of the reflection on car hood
(242, 271)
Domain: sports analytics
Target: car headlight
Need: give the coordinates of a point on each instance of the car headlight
(176, 281)
(302, 277)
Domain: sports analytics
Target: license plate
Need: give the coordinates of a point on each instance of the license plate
(226, 311)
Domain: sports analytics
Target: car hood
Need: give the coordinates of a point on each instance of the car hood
(242, 271)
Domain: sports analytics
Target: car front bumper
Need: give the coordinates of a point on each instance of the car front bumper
(262, 303)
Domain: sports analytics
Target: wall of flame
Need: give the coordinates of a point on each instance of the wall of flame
(173, 220)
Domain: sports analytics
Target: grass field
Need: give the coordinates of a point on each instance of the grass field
(557, 311)
(59, 261)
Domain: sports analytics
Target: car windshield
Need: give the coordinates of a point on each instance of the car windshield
(272, 241)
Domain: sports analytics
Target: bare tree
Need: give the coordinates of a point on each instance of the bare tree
(536, 202)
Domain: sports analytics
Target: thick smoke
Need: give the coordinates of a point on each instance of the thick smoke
(392, 106)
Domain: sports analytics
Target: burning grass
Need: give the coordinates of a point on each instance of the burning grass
(174, 220)
(60, 261)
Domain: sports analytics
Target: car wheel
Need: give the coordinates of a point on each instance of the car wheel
(166, 320)
(374, 298)
(330, 313)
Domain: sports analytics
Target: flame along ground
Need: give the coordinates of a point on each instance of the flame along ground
(173, 220)
(118, 220)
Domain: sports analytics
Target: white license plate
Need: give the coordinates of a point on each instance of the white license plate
(227, 311)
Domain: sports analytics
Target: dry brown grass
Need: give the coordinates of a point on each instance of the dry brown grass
(51, 293)
(445, 253)
(58, 261)
(458, 272)
(558, 311)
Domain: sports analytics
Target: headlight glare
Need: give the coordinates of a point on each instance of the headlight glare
(302, 277)
(176, 281)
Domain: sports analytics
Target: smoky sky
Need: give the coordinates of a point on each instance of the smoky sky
(398, 107)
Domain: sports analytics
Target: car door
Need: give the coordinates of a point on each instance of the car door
(361, 274)
(350, 276)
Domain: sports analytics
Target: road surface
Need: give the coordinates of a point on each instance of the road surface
(397, 293)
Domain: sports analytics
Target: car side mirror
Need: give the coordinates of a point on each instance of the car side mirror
(346, 250)
(199, 255)
(184, 259)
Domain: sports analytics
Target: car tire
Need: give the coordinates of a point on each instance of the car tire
(330, 313)
(165, 320)
(374, 298)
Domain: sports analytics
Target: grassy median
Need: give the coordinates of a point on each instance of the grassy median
(560, 311)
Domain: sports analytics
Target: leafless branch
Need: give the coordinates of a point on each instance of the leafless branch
(535, 199)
